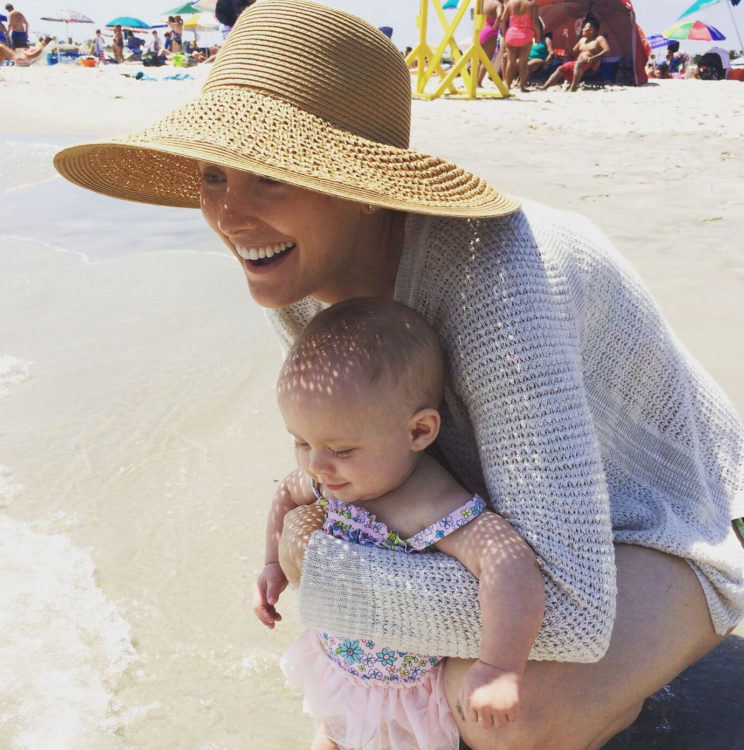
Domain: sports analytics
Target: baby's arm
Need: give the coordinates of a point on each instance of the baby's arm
(294, 490)
(512, 603)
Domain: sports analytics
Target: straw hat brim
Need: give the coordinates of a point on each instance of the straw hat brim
(249, 130)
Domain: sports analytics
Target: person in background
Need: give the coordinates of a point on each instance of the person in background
(541, 54)
(176, 34)
(489, 36)
(18, 28)
(118, 45)
(588, 52)
(155, 46)
(523, 26)
(99, 48)
(3, 33)
(20, 57)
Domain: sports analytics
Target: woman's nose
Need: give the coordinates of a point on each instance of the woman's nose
(237, 210)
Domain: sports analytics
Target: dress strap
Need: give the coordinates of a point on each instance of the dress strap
(445, 526)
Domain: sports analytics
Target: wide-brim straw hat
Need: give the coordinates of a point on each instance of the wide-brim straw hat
(301, 93)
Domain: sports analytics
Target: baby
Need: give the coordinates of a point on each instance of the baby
(359, 393)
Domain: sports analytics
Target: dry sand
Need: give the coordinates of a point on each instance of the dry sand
(659, 168)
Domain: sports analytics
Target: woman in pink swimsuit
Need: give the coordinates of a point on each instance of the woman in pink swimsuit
(489, 36)
(524, 26)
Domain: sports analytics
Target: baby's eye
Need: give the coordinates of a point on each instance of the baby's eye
(343, 453)
(300, 444)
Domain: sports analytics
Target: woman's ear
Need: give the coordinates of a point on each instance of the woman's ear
(423, 428)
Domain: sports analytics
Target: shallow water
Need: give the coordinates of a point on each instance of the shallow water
(135, 378)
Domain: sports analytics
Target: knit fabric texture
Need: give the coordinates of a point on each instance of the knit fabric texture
(574, 411)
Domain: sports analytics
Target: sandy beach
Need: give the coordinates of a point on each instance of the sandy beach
(139, 440)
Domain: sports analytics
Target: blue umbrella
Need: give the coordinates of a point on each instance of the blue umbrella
(657, 40)
(128, 22)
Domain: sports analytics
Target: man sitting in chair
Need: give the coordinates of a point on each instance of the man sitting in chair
(588, 52)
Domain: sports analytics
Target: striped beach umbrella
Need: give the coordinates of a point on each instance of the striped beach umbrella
(694, 31)
(67, 16)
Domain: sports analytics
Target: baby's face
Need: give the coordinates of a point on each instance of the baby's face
(356, 445)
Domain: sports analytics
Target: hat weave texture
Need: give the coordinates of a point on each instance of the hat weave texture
(301, 93)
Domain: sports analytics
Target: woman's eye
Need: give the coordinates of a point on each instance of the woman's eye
(212, 177)
(269, 181)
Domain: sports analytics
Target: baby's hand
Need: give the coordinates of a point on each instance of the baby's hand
(489, 695)
(266, 590)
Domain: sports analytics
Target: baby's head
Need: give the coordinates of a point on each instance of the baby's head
(359, 392)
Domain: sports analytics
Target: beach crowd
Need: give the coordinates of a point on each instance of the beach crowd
(515, 38)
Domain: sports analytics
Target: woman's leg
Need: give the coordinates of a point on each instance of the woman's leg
(661, 627)
(511, 64)
(489, 47)
(522, 57)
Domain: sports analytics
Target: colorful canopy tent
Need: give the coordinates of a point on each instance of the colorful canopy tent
(617, 23)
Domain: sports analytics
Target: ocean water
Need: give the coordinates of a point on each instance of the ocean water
(135, 377)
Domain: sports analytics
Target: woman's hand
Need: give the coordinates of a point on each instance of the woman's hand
(299, 524)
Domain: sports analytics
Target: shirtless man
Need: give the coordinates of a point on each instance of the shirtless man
(587, 52)
(18, 27)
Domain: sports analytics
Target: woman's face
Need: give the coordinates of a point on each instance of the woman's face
(292, 243)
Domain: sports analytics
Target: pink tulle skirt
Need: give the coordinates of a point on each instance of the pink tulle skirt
(370, 714)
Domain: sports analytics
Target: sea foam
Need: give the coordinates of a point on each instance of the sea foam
(12, 370)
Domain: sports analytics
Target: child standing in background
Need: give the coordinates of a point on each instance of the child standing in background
(359, 393)
(99, 44)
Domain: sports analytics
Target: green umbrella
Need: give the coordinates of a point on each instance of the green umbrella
(181, 10)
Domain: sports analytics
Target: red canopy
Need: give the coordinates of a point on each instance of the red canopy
(616, 22)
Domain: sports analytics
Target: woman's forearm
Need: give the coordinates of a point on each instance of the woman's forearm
(419, 603)
(428, 604)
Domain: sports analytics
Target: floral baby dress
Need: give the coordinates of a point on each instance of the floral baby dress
(366, 695)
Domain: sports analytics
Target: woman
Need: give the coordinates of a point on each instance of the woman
(118, 43)
(524, 26)
(493, 10)
(541, 54)
(568, 403)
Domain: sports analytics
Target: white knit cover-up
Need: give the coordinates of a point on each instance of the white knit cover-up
(573, 409)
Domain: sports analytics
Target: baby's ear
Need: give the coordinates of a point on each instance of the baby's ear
(424, 428)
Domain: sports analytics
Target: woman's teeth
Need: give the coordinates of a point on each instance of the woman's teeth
(267, 251)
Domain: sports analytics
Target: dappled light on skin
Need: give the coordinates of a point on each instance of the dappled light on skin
(299, 524)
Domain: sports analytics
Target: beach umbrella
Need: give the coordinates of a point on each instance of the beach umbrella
(694, 31)
(67, 16)
(128, 22)
(657, 40)
(202, 22)
(209, 5)
(700, 4)
(181, 10)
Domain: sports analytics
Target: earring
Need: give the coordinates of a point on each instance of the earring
(371, 209)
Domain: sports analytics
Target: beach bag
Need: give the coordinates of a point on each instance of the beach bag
(710, 67)
(149, 60)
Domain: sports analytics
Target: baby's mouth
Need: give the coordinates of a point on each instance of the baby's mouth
(265, 254)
